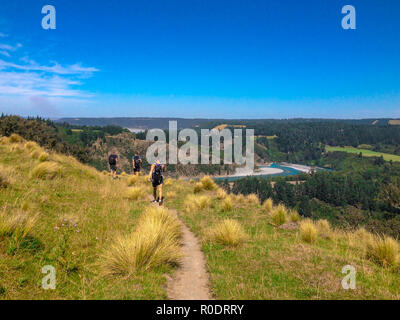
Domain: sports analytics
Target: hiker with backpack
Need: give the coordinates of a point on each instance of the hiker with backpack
(157, 179)
(113, 163)
(136, 164)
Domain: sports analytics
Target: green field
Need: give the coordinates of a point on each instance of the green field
(365, 152)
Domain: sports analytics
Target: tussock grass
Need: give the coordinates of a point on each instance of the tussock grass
(228, 232)
(384, 251)
(168, 182)
(279, 215)
(132, 180)
(16, 223)
(252, 199)
(15, 138)
(308, 231)
(205, 183)
(294, 216)
(194, 202)
(221, 194)
(134, 193)
(31, 145)
(154, 243)
(198, 187)
(268, 205)
(227, 204)
(46, 170)
(323, 227)
(44, 156)
(4, 140)
(171, 194)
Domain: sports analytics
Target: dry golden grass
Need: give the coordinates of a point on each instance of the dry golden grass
(154, 243)
(168, 182)
(323, 227)
(4, 180)
(46, 170)
(227, 204)
(221, 194)
(208, 183)
(15, 138)
(268, 205)
(4, 141)
(252, 199)
(279, 215)
(16, 223)
(308, 231)
(198, 187)
(384, 251)
(228, 232)
(194, 202)
(31, 145)
(132, 180)
(294, 216)
(44, 156)
(134, 193)
(171, 194)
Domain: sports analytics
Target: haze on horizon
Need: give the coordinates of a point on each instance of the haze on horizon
(224, 59)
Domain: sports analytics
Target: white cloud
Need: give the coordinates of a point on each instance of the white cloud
(3, 35)
(5, 53)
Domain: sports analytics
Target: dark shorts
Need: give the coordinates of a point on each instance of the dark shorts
(113, 167)
(157, 182)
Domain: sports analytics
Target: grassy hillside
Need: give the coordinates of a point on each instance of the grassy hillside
(365, 152)
(259, 257)
(56, 211)
(106, 242)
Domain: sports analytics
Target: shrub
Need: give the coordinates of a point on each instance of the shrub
(268, 205)
(15, 138)
(208, 183)
(134, 193)
(228, 232)
(384, 251)
(308, 231)
(279, 215)
(221, 194)
(294, 216)
(155, 243)
(44, 156)
(252, 199)
(47, 170)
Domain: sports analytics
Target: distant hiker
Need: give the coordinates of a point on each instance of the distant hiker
(113, 163)
(137, 164)
(157, 179)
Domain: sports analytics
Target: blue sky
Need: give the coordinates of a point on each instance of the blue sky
(196, 58)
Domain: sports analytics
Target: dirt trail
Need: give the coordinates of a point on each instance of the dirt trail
(190, 281)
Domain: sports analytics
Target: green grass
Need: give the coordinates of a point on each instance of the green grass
(275, 263)
(78, 215)
(365, 152)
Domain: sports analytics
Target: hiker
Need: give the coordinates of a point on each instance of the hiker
(113, 163)
(137, 164)
(156, 177)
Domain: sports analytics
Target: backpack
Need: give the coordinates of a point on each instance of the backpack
(137, 162)
(112, 159)
(157, 173)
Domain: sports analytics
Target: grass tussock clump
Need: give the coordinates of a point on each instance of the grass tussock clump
(268, 205)
(228, 232)
(132, 180)
(171, 194)
(4, 140)
(227, 204)
(252, 199)
(205, 183)
(46, 170)
(198, 187)
(308, 231)
(155, 243)
(44, 156)
(193, 202)
(168, 182)
(134, 193)
(31, 145)
(15, 138)
(384, 251)
(221, 194)
(294, 216)
(279, 215)
(323, 227)
(17, 224)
